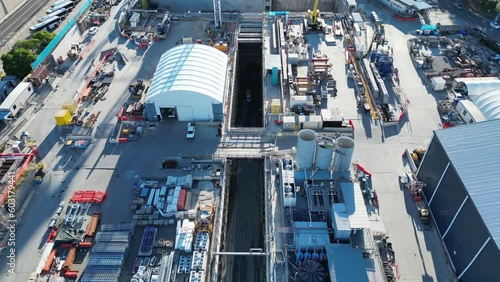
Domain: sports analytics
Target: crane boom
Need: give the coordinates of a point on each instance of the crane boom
(217, 14)
(314, 18)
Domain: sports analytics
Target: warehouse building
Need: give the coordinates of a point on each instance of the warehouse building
(189, 84)
(460, 169)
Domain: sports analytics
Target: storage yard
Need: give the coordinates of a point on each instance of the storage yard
(219, 146)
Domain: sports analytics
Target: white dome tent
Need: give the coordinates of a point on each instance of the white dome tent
(190, 80)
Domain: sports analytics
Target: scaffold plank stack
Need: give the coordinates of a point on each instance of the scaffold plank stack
(118, 227)
(119, 236)
(106, 259)
(110, 247)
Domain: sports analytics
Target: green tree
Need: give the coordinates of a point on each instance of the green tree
(44, 37)
(18, 62)
(32, 44)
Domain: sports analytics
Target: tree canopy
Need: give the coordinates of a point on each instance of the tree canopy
(18, 62)
(24, 52)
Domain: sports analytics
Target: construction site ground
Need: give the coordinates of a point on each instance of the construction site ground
(419, 254)
(112, 168)
(115, 167)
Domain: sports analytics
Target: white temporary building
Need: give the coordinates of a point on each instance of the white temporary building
(191, 80)
(488, 103)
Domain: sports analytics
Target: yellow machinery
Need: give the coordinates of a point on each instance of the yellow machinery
(314, 23)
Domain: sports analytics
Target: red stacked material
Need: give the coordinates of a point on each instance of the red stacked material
(85, 244)
(50, 260)
(89, 196)
(52, 235)
(71, 274)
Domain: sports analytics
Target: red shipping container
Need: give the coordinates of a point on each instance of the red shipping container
(181, 203)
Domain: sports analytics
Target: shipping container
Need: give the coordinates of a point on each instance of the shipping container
(39, 75)
(62, 117)
(181, 202)
(310, 122)
(289, 123)
(275, 106)
(71, 105)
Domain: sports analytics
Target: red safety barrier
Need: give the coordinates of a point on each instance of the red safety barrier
(122, 140)
(406, 19)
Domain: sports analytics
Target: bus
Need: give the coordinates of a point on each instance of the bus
(68, 5)
(47, 25)
(62, 13)
(58, 3)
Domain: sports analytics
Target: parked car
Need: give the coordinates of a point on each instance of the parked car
(191, 131)
(93, 30)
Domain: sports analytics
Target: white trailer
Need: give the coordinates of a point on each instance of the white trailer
(16, 100)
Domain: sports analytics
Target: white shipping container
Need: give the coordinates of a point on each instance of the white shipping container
(289, 123)
(310, 122)
(301, 100)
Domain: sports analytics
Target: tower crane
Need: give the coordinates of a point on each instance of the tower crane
(314, 23)
(217, 14)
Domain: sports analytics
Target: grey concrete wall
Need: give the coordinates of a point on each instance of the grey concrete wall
(242, 5)
(302, 5)
(247, 5)
(7, 6)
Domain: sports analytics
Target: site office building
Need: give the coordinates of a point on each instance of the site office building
(16, 100)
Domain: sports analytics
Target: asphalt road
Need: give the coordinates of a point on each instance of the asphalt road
(9, 27)
(464, 16)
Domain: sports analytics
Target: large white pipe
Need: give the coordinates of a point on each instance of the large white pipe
(306, 147)
(343, 153)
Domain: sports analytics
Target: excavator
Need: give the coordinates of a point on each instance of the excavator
(314, 23)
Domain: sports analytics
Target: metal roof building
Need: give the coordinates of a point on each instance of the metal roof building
(190, 81)
(460, 170)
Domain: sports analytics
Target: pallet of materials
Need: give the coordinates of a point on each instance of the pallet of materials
(147, 241)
